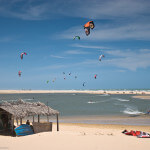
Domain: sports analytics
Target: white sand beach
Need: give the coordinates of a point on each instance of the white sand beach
(76, 91)
(80, 137)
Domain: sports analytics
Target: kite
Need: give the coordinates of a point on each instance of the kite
(100, 57)
(95, 76)
(83, 84)
(24, 53)
(47, 81)
(54, 79)
(19, 73)
(89, 25)
(77, 37)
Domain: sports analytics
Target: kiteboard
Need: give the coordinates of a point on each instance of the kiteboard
(23, 130)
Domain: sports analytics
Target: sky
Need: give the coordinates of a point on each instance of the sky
(45, 29)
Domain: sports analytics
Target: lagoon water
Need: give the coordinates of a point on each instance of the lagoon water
(84, 105)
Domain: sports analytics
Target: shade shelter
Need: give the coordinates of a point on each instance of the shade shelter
(9, 111)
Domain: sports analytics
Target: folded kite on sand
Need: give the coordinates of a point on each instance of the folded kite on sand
(139, 134)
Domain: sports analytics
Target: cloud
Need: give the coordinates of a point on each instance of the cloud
(6, 39)
(9, 38)
(68, 34)
(56, 56)
(76, 52)
(111, 32)
(114, 20)
(131, 60)
(56, 66)
(124, 60)
(89, 46)
(139, 31)
(28, 9)
(95, 9)
(121, 60)
(114, 9)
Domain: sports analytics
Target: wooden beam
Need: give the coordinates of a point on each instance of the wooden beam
(57, 123)
(47, 118)
(38, 118)
(33, 118)
(20, 121)
(12, 123)
(17, 121)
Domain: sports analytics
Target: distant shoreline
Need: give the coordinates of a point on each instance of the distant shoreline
(134, 92)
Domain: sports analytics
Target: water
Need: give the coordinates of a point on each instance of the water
(73, 105)
(86, 104)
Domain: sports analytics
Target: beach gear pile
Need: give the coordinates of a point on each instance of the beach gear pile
(138, 134)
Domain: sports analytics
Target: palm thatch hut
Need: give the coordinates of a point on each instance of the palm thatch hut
(21, 109)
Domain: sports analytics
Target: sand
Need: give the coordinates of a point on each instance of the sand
(142, 97)
(76, 91)
(80, 137)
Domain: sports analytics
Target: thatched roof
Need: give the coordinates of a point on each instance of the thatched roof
(20, 109)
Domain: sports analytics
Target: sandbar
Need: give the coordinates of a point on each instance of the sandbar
(76, 91)
(142, 97)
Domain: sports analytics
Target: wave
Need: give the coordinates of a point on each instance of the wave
(28, 99)
(11, 100)
(132, 111)
(104, 95)
(93, 102)
(123, 100)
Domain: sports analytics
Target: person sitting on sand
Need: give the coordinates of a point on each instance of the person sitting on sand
(28, 122)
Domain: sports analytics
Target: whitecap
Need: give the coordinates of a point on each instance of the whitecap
(91, 102)
(11, 100)
(131, 111)
(123, 100)
(28, 99)
(104, 95)
(74, 94)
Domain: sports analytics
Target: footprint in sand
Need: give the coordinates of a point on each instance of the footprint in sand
(110, 134)
(99, 134)
(83, 133)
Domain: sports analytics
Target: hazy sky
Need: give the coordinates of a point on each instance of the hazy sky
(45, 29)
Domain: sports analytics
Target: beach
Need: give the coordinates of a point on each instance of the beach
(80, 136)
(143, 92)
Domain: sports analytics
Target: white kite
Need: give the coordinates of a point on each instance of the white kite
(100, 57)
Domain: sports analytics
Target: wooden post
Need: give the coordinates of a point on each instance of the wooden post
(33, 118)
(12, 124)
(38, 118)
(57, 123)
(17, 121)
(48, 112)
(47, 118)
(20, 121)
